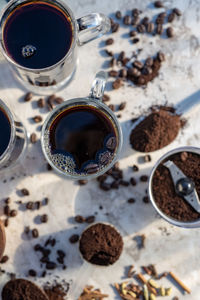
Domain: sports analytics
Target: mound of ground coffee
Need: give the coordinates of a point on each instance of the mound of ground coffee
(101, 244)
(163, 187)
(156, 131)
(21, 289)
(2, 239)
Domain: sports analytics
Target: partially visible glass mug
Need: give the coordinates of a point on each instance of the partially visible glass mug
(82, 138)
(40, 41)
(13, 139)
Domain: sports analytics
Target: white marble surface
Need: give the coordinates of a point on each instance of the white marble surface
(172, 248)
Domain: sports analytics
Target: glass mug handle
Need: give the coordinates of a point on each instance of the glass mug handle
(92, 27)
(98, 86)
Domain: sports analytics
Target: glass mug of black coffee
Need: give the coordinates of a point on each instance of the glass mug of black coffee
(40, 41)
(81, 138)
(13, 139)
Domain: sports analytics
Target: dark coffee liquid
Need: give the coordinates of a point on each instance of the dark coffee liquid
(86, 136)
(44, 28)
(5, 132)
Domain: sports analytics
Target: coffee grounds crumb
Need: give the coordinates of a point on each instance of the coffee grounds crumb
(74, 238)
(22, 289)
(156, 131)
(101, 244)
(164, 192)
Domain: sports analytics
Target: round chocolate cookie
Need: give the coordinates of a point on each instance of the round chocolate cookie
(101, 244)
(21, 289)
(2, 239)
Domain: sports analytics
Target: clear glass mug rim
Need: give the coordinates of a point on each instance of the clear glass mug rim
(12, 126)
(191, 224)
(90, 102)
(74, 41)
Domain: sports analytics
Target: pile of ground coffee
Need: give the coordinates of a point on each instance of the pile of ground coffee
(156, 131)
(163, 187)
(56, 292)
(20, 289)
(101, 244)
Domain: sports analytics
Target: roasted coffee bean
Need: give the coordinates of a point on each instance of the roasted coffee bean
(113, 73)
(127, 20)
(33, 138)
(161, 56)
(111, 143)
(115, 184)
(147, 158)
(121, 56)
(7, 200)
(51, 265)
(38, 205)
(46, 201)
(136, 72)
(61, 253)
(117, 84)
(114, 27)
(133, 33)
(50, 101)
(133, 181)
(32, 273)
(146, 199)
(136, 40)
(145, 21)
(131, 200)
(150, 27)
(26, 229)
(109, 42)
(91, 168)
(170, 32)
(122, 105)
(41, 103)
(7, 210)
(135, 168)
(136, 12)
(13, 213)
(177, 12)
(149, 62)
(124, 183)
(135, 21)
(141, 28)
(82, 182)
(25, 192)
(60, 260)
(160, 20)
(118, 14)
(90, 219)
(123, 73)
(144, 178)
(106, 98)
(44, 218)
(74, 238)
(147, 70)
(28, 97)
(37, 119)
(105, 158)
(125, 61)
(4, 259)
(159, 29)
(109, 53)
(171, 17)
(162, 15)
(35, 233)
(112, 21)
(138, 64)
(102, 178)
(112, 107)
(58, 100)
(6, 222)
(158, 4)
(113, 62)
(38, 247)
(79, 219)
(105, 186)
(141, 80)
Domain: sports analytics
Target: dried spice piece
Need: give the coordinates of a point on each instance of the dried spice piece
(180, 283)
(128, 291)
(144, 281)
(89, 293)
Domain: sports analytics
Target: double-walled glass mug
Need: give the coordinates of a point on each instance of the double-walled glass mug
(82, 138)
(40, 39)
(13, 139)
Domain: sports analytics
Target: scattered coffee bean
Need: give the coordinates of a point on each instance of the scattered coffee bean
(133, 33)
(115, 27)
(127, 20)
(184, 156)
(109, 42)
(115, 184)
(44, 218)
(134, 72)
(46, 201)
(177, 12)
(58, 100)
(33, 138)
(4, 259)
(118, 15)
(159, 29)
(113, 73)
(106, 98)
(51, 265)
(136, 12)
(28, 97)
(145, 21)
(146, 199)
(83, 182)
(61, 253)
(162, 15)
(138, 64)
(112, 107)
(136, 40)
(26, 229)
(50, 101)
(123, 73)
(135, 21)
(141, 28)
(7, 200)
(41, 103)
(121, 56)
(32, 273)
(171, 17)
(144, 178)
(35, 233)
(111, 143)
(6, 222)
(161, 56)
(38, 204)
(109, 53)
(90, 219)
(113, 62)
(7, 210)
(150, 27)
(133, 181)
(13, 213)
(122, 105)
(37, 119)
(105, 186)
(74, 238)
(124, 183)
(117, 84)
(131, 200)
(135, 168)
(160, 20)
(79, 219)
(25, 192)
(170, 32)
(158, 4)
(91, 168)
(147, 70)
(149, 62)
